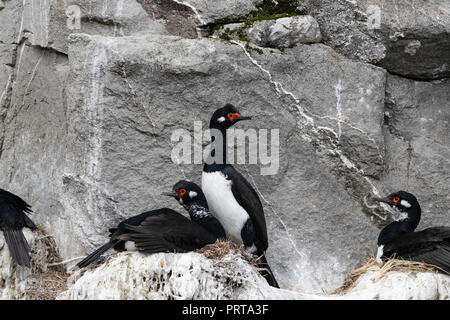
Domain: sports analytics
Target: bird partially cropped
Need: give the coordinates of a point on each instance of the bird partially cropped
(13, 218)
(431, 245)
(231, 197)
(165, 230)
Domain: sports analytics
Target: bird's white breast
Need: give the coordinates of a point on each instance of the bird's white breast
(223, 205)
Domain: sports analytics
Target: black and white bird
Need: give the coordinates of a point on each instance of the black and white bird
(13, 218)
(230, 196)
(431, 245)
(165, 230)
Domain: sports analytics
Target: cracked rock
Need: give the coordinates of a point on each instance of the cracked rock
(51, 22)
(115, 117)
(387, 32)
(284, 32)
(417, 144)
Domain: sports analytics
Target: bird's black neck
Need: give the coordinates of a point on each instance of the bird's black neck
(397, 228)
(218, 144)
(200, 214)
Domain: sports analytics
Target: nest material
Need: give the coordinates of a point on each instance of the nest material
(221, 248)
(49, 273)
(391, 264)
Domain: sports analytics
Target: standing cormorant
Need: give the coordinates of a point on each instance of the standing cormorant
(231, 197)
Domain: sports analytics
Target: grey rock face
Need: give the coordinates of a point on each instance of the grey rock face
(33, 130)
(417, 118)
(211, 11)
(10, 21)
(122, 126)
(50, 23)
(409, 38)
(87, 120)
(283, 32)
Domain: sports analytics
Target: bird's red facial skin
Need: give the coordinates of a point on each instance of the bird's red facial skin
(395, 200)
(232, 116)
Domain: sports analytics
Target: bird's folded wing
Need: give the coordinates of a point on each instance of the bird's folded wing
(248, 199)
(167, 233)
(431, 246)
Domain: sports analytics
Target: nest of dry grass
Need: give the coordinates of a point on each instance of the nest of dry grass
(391, 264)
(221, 248)
(46, 267)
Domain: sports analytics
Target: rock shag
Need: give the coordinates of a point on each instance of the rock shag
(165, 230)
(431, 245)
(231, 197)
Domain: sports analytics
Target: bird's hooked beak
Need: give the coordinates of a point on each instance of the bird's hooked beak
(240, 118)
(385, 200)
(170, 194)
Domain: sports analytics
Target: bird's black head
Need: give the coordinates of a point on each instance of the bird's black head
(188, 193)
(192, 198)
(225, 117)
(402, 200)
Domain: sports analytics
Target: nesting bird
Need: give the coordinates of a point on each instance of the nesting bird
(13, 218)
(165, 230)
(231, 197)
(431, 245)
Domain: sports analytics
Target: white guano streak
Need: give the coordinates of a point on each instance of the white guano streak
(193, 9)
(310, 121)
(117, 16)
(338, 89)
(6, 88)
(94, 114)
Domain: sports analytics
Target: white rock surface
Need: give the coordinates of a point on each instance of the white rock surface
(400, 286)
(174, 276)
(193, 276)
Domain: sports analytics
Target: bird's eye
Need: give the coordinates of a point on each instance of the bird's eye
(182, 192)
(396, 199)
(231, 116)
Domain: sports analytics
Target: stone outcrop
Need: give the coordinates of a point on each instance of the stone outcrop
(88, 114)
(410, 38)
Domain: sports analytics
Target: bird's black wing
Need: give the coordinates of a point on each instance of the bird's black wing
(167, 231)
(13, 210)
(248, 199)
(431, 246)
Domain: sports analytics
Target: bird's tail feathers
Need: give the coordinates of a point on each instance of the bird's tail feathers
(266, 272)
(18, 246)
(96, 254)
